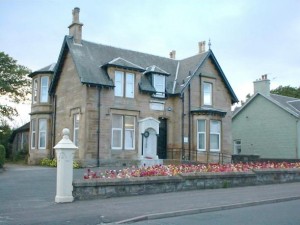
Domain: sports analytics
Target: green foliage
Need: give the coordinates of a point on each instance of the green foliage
(14, 84)
(53, 163)
(5, 133)
(287, 91)
(2, 155)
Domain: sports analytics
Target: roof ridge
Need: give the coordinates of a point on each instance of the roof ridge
(124, 49)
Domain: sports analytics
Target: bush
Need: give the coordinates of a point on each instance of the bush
(53, 163)
(2, 155)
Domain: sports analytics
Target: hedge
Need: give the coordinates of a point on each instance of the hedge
(2, 155)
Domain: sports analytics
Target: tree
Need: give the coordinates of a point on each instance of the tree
(14, 85)
(5, 133)
(287, 91)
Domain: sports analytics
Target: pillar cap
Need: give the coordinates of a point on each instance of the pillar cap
(65, 142)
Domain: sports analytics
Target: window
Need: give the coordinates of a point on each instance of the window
(33, 134)
(42, 133)
(123, 132)
(35, 90)
(215, 135)
(76, 129)
(207, 93)
(44, 89)
(124, 89)
(129, 85)
(129, 132)
(201, 135)
(159, 83)
(237, 146)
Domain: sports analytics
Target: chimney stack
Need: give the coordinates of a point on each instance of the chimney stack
(262, 85)
(201, 47)
(173, 54)
(75, 29)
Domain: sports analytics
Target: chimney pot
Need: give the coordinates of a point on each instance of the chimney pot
(75, 13)
(173, 54)
(75, 29)
(201, 47)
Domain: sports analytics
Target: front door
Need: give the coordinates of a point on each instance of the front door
(162, 139)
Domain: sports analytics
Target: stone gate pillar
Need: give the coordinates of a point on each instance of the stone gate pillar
(65, 150)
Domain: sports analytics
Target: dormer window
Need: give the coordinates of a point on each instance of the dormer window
(159, 83)
(207, 93)
(124, 84)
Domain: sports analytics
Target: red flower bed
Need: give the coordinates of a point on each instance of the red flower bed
(172, 170)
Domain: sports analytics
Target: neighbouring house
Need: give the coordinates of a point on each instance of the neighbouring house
(267, 125)
(19, 140)
(123, 106)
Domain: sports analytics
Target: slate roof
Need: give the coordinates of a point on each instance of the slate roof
(289, 104)
(91, 61)
(48, 69)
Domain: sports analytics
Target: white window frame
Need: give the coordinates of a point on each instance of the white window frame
(76, 129)
(118, 129)
(33, 133)
(237, 146)
(41, 132)
(207, 94)
(35, 91)
(133, 134)
(201, 132)
(119, 83)
(129, 87)
(44, 90)
(159, 86)
(215, 133)
(122, 131)
(124, 84)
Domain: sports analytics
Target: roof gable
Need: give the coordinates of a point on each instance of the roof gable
(201, 60)
(278, 100)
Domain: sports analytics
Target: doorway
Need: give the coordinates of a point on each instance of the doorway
(162, 139)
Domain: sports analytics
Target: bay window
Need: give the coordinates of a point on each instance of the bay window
(33, 134)
(44, 89)
(201, 135)
(42, 133)
(215, 135)
(76, 129)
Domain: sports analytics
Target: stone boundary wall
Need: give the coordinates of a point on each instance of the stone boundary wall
(106, 188)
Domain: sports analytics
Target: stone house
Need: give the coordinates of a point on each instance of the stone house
(19, 140)
(123, 106)
(267, 125)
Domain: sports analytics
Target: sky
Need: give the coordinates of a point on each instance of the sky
(249, 38)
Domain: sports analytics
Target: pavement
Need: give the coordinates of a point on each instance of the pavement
(27, 195)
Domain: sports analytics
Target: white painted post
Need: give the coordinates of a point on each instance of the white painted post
(65, 150)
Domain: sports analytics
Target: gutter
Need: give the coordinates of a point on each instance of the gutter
(98, 129)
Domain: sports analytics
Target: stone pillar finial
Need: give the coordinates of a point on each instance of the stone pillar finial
(66, 133)
(65, 150)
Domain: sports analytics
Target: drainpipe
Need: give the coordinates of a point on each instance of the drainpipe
(98, 129)
(182, 127)
(53, 124)
(189, 132)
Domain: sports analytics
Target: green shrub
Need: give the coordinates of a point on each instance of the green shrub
(2, 155)
(53, 163)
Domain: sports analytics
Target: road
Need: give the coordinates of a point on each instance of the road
(284, 213)
(27, 198)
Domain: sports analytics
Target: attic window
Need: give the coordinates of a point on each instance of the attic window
(159, 83)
